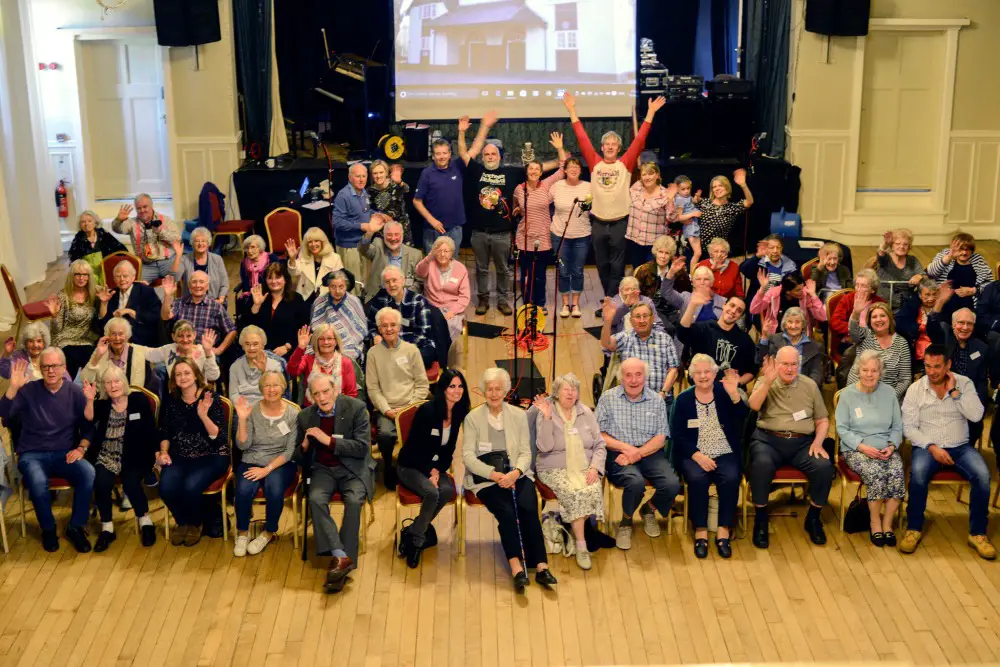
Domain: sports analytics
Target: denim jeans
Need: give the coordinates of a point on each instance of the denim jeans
(969, 463)
(493, 246)
(632, 478)
(159, 268)
(431, 235)
(533, 289)
(274, 484)
(38, 467)
(182, 483)
(572, 257)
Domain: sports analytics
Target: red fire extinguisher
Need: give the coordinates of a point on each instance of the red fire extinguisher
(62, 202)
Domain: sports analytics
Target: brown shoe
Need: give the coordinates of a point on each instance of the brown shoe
(505, 309)
(982, 545)
(178, 536)
(910, 541)
(193, 536)
(336, 574)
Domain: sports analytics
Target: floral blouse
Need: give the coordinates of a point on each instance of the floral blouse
(392, 202)
(72, 325)
(181, 426)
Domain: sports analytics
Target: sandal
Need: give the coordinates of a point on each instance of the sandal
(878, 539)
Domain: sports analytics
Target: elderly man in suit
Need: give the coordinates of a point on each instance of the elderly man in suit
(389, 251)
(136, 303)
(334, 447)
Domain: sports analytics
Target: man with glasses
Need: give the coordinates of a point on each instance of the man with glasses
(644, 342)
(51, 412)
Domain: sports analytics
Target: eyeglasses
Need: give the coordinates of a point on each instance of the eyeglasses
(964, 323)
(51, 367)
(79, 275)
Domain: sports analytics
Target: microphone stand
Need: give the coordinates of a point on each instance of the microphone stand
(555, 297)
(532, 328)
(514, 398)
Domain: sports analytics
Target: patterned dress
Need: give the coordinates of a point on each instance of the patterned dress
(392, 202)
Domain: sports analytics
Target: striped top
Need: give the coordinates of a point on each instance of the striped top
(537, 215)
(561, 196)
(897, 373)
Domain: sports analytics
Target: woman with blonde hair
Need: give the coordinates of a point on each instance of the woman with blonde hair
(899, 272)
(718, 213)
(92, 243)
(387, 194)
(73, 314)
(326, 358)
(651, 210)
(316, 260)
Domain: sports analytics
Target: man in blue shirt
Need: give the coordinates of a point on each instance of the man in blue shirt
(351, 217)
(438, 197)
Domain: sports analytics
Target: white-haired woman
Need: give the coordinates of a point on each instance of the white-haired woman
(34, 338)
(707, 430)
(702, 281)
(793, 333)
(650, 213)
(497, 457)
(870, 426)
(92, 244)
(114, 348)
(201, 259)
(571, 456)
(651, 274)
(315, 261)
(899, 272)
(326, 358)
(728, 280)
(718, 213)
(266, 432)
(252, 268)
(245, 373)
(387, 194)
(201, 353)
(123, 450)
(446, 283)
(73, 314)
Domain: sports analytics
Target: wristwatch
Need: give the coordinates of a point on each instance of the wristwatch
(955, 393)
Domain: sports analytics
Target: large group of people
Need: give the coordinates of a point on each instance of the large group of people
(322, 350)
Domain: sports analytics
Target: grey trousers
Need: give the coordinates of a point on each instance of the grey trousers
(324, 483)
(433, 499)
(495, 246)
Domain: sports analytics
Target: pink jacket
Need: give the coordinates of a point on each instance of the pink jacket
(452, 296)
(766, 304)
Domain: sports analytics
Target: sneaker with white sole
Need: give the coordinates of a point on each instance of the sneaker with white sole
(577, 312)
(583, 559)
(258, 543)
(623, 537)
(650, 525)
(564, 312)
(240, 548)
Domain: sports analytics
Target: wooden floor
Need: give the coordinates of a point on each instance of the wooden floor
(656, 604)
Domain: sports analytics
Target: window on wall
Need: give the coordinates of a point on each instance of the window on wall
(566, 39)
(428, 12)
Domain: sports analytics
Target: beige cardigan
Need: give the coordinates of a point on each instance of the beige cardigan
(304, 273)
(475, 429)
(92, 373)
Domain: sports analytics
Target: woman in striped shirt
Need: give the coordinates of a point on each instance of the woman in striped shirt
(566, 198)
(880, 335)
(651, 210)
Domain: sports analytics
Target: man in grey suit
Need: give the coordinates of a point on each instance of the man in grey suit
(335, 450)
(390, 251)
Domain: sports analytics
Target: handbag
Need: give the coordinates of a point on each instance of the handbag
(857, 518)
(497, 460)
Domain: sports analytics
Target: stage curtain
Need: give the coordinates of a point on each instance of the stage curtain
(279, 138)
(725, 29)
(768, 27)
(258, 76)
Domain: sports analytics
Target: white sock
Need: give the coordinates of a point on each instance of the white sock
(581, 545)
(144, 520)
(108, 526)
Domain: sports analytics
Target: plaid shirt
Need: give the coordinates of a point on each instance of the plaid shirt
(648, 216)
(657, 350)
(347, 318)
(209, 314)
(633, 422)
(415, 326)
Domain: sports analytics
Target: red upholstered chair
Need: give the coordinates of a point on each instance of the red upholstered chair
(109, 263)
(609, 504)
(785, 475)
(433, 372)
(281, 225)
(834, 338)
(291, 493)
(223, 227)
(808, 267)
(32, 312)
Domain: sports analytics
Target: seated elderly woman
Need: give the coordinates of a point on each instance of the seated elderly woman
(202, 353)
(245, 373)
(279, 310)
(123, 447)
(92, 244)
(497, 457)
(426, 457)
(446, 283)
(911, 318)
(707, 428)
(202, 259)
(650, 275)
(266, 434)
(898, 271)
(194, 449)
(793, 326)
(728, 280)
(34, 338)
(326, 358)
(880, 335)
(344, 312)
(73, 314)
(965, 270)
(114, 349)
(702, 280)
(792, 292)
(316, 259)
(571, 456)
(830, 273)
(866, 284)
(252, 268)
(870, 427)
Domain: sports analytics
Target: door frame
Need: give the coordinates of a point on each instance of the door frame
(105, 34)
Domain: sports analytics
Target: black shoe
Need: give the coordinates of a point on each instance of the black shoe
(482, 308)
(723, 547)
(877, 538)
(413, 556)
(701, 547)
(889, 538)
(104, 541)
(147, 535)
(814, 526)
(545, 579)
(761, 539)
(212, 528)
(78, 538)
(521, 581)
(50, 540)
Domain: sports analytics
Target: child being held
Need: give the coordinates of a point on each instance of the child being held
(689, 215)
(830, 275)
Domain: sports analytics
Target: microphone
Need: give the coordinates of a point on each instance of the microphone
(576, 200)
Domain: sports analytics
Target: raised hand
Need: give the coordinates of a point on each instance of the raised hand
(9, 346)
(740, 177)
(861, 301)
(677, 265)
(243, 408)
(257, 294)
(770, 369)
(124, 212)
(464, 124)
(396, 173)
(887, 239)
(204, 404)
(556, 139)
(671, 189)
(52, 303)
(731, 381)
(304, 335)
(655, 105)
(101, 348)
(104, 294)
(89, 390)
(291, 249)
(762, 277)
(608, 310)
(569, 101)
(701, 297)
(169, 285)
(17, 374)
(490, 118)
(761, 248)
(543, 406)
(208, 337)
(810, 287)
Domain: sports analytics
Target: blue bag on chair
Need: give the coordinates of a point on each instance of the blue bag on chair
(786, 224)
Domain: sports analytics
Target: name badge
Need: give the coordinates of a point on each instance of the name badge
(283, 428)
(574, 431)
(434, 458)
(974, 355)
(485, 446)
(799, 416)
(134, 417)
(694, 423)
(652, 346)
(403, 322)
(434, 431)
(453, 279)
(858, 413)
(402, 362)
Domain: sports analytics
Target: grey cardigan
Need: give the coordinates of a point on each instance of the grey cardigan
(476, 429)
(218, 277)
(551, 441)
(264, 441)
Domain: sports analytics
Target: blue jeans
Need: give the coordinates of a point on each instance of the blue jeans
(182, 483)
(632, 478)
(969, 463)
(726, 478)
(533, 291)
(431, 235)
(38, 467)
(159, 268)
(572, 257)
(274, 485)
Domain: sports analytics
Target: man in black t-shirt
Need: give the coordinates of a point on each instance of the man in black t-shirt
(720, 339)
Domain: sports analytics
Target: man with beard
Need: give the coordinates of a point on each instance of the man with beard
(720, 339)
(155, 239)
(388, 251)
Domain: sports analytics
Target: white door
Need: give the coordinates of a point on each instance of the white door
(126, 118)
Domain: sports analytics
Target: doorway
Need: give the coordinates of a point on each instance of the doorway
(124, 111)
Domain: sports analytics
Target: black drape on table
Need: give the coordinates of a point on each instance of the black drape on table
(768, 25)
(252, 20)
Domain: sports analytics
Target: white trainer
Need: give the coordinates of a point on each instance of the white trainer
(258, 543)
(623, 537)
(583, 559)
(240, 548)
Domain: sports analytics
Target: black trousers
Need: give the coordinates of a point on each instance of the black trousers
(104, 482)
(500, 503)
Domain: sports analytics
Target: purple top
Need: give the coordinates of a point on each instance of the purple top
(48, 420)
(441, 192)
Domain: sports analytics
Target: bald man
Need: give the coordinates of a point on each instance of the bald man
(791, 427)
(352, 216)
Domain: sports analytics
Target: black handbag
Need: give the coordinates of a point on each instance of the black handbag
(857, 519)
(497, 460)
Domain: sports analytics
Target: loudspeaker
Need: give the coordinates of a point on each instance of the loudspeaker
(840, 18)
(187, 22)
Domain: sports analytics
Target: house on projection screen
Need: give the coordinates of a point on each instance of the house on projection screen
(519, 36)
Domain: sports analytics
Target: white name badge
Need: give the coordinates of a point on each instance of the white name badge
(694, 423)
(434, 431)
(453, 279)
(434, 458)
(134, 417)
(283, 428)
(974, 355)
(858, 413)
(574, 431)
(799, 416)
(485, 446)
(403, 322)
(652, 346)
(402, 362)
